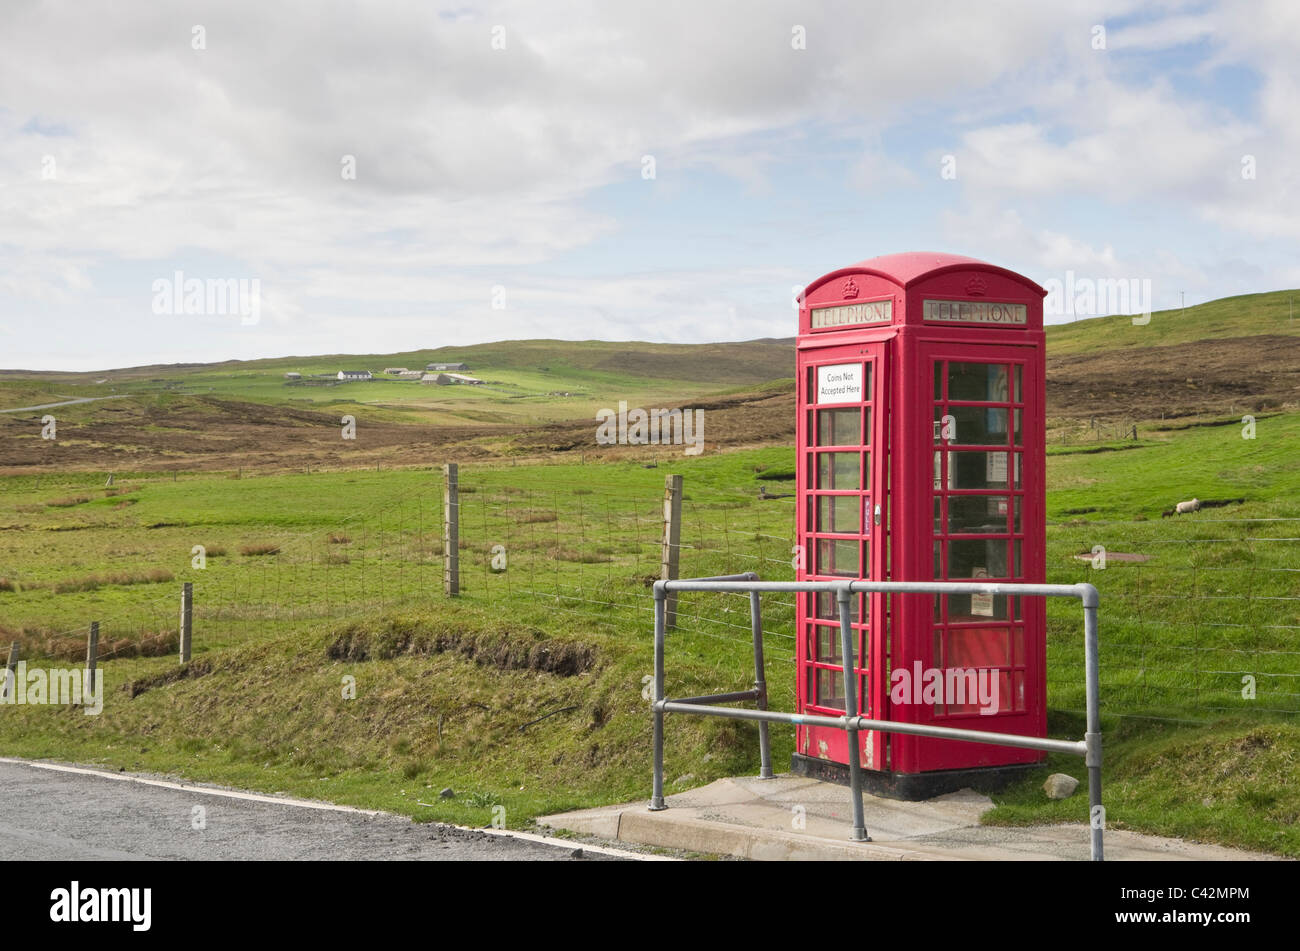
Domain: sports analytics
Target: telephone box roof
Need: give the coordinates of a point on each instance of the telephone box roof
(910, 267)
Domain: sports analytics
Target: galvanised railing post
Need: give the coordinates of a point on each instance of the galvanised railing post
(851, 711)
(657, 795)
(760, 684)
(1096, 812)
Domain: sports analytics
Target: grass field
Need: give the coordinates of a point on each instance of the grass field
(443, 688)
(311, 577)
(322, 561)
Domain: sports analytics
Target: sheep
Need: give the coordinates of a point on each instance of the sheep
(1182, 508)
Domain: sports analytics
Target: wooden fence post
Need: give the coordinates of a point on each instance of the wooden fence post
(672, 547)
(187, 619)
(92, 654)
(451, 531)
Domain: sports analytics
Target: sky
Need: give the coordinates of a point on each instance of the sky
(201, 181)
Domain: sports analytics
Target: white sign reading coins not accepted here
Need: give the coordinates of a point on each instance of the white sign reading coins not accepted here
(840, 383)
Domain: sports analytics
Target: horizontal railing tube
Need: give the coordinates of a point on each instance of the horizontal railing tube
(972, 587)
(692, 584)
(1046, 744)
(1084, 592)
(721, 697)
(741, 713)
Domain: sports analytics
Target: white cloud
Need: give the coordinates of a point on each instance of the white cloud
(475, 166)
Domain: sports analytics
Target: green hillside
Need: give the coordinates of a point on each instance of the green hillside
(1248, 315)
(735, 363)
(526, 382)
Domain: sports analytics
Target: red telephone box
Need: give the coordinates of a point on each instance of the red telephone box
(921, 457)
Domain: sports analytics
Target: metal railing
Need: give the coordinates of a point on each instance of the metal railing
(852, 722)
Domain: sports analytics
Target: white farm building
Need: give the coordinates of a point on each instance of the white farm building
(449, 379)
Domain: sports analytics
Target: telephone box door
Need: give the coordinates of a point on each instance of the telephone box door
(982, 501)
(843, 448)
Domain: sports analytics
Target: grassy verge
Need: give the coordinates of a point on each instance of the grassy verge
(1229, 781)
(499, 711)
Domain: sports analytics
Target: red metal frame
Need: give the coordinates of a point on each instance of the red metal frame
(901, 630)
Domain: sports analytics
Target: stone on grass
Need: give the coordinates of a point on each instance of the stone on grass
(1060, 786)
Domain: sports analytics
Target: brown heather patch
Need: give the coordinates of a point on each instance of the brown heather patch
(91, 582)
(63, 646)
(68, 501)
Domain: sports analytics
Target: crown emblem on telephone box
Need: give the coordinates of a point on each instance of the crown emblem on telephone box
(850, 288)
(977, 286)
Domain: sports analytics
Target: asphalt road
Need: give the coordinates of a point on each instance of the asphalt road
(81, 399)
(48, 814)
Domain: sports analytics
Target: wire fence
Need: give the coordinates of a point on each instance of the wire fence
(1200, 615)
(593, 553)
